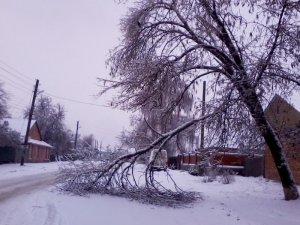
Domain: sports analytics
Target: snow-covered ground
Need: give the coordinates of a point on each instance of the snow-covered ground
(8, 171)
(247, 201)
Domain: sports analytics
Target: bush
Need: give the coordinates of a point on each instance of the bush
(227, 177)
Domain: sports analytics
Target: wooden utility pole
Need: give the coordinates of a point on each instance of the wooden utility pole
(29, 123)
(76, 135)
(101, 145)
(203, 113)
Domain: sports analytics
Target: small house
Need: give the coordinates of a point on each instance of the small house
(36, 151)
(285, 120)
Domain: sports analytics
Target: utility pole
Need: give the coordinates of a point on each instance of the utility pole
(29, 123)
(203, 113)
(97, 144)
(101, 145)
(76, 135)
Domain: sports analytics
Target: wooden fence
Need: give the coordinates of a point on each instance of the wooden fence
(243, 164)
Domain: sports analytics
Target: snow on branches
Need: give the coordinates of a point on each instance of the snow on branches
(123, 176)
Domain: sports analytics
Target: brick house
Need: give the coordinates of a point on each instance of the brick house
(285, 119)
(38, 150)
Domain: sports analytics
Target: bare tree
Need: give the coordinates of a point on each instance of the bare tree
(118, 176)
(88, 141)
(143, 132)
(50, 118)
(3, 102)
(8, 137)
(247, 50)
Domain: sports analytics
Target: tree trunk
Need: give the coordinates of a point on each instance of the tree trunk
(273, 142)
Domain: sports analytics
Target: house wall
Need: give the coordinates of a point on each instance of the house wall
(292, 153)
(282, 115)
(33, 152)
(38, 153)
(34, 133)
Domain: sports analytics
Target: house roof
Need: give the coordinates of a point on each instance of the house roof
(277, 99)
(282, 114)
(41, 143)
(19, 125)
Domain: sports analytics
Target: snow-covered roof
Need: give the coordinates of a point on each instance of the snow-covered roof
(41, 143)
(19, 125)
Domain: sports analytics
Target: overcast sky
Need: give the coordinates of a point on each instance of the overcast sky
(64, 44)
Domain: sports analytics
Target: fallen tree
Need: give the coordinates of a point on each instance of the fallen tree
(119, 176)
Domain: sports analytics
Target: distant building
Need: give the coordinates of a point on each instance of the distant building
(37, 151)
(285, 119)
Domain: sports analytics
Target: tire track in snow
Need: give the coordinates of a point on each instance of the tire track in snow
(11, 188)
(51, 215)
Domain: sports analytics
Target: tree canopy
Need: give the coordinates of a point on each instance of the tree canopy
(246, 50)
(50, 118)
(3, 102)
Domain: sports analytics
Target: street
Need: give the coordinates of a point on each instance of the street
(13, 187)
(23, 200)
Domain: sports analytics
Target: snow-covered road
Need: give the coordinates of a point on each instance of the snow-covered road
(24, 194)
(34, 207)
(13, 187)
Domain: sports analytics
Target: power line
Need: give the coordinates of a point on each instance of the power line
(16, 107)
(29, 96)
(18, 98)
(17, 87)
(14, 75)
(14, 69)
(17, 103)
(76, 101)
(13, 83)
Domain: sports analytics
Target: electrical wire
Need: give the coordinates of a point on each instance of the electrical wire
(18, 72)
(19, 103)
(16, 107)
(17, 85)
(28, 80)
(14, 75)
(13, 83)
(75, 101)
